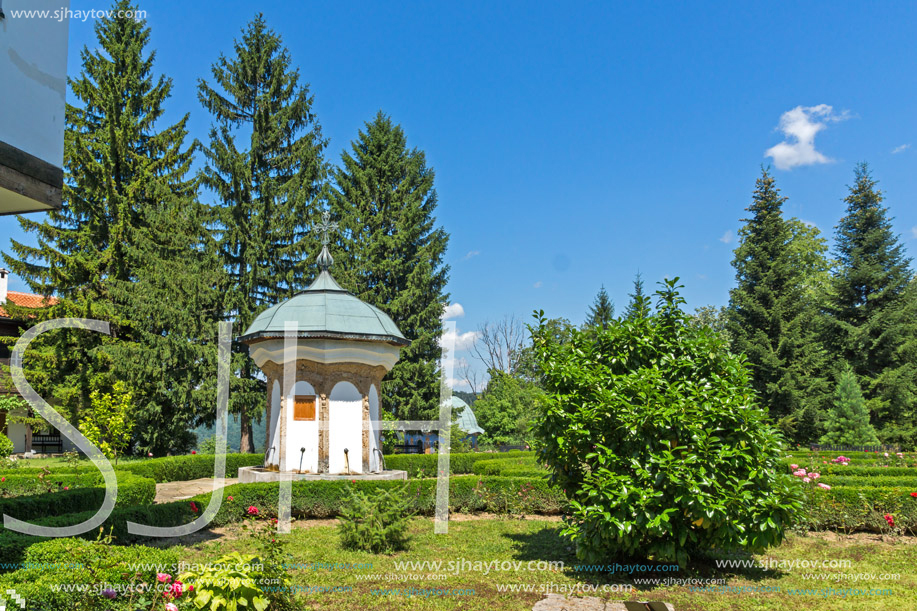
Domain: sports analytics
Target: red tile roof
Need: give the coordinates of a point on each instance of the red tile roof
(28, 300)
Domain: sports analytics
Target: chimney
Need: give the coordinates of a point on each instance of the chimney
(4, 283)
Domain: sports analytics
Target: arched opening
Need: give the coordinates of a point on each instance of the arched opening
(345, 422)
(302, 429)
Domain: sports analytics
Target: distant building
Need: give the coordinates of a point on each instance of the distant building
(466, 421)
(33, 78)
(22, 436)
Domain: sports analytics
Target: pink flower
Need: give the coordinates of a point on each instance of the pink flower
(794, 467)
(171, 607)
(824, 486)
(230, 497)
(2, 479)
(66, 487)
(252, 510)
(194, 451)
(177, 589)
(150, 454)
(193, 507)
(806, 480)
(163, 577)
(814, 475)
(800, 473)
(886, 455)
(914, 494)
(890, 520)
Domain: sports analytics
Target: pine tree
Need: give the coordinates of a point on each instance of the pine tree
(602, 310)
(269, 190)
(770, 319)
(125, 191)
(847, 422)
(639, 305)
(872, 310)
(391, 255)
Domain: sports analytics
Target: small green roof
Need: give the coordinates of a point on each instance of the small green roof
(326, 310)
(465, 419)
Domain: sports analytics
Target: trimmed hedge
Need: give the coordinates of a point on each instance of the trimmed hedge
(497, 466)
(851, 509)
(875, 481)
(311, 499)
(132, 490)
(162, 470)
(425, 465)
(78, 561)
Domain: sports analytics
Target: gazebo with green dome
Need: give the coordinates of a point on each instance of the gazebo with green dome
(344, 347)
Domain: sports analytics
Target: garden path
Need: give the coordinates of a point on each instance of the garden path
(179, 491)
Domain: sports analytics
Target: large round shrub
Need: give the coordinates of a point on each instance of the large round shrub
(651, 429)
(6, 446)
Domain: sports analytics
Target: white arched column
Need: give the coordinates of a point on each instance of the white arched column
(345, 416)
(374, 441)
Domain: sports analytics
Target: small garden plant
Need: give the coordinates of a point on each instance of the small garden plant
(376, 523)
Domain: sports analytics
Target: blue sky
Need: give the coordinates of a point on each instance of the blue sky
(576, 143)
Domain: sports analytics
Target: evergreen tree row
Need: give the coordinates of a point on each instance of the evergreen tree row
(811, 327)
(164, 254)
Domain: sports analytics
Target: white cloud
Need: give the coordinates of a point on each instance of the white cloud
(453, 310)
(914, 231)
(800, 126)
(463, 341)
(471, 253)
(537, 285)
(900, 149)
(728, 237)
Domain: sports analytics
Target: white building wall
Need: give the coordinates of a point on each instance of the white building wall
(33, 79)
(346, 428)
(301, 434)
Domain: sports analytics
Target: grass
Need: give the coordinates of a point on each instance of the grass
(486, 540)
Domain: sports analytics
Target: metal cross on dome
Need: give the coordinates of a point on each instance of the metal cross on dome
(326, 227)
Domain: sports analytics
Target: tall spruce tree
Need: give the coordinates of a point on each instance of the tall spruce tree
(847, 422)
(270, 189)
(640, 305)
(602, 310)
(770, 319)
(127, 247)
(872, 310)
(391, 255)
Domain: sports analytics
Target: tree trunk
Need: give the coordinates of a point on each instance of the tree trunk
(246, 443)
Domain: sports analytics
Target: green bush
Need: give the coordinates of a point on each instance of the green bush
(873, 481)
(6, 446)
(651, 428)
(132, 490)
(497, 466)
(165, 469)
(52, 562)
(851, 509)
(376, 522)
(426, 465)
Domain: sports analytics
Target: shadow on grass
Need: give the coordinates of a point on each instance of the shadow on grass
(548, 545)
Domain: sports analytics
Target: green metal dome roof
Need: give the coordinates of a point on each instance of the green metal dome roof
(326, 310)
(466, 419)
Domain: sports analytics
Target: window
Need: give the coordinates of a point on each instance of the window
(304, 407)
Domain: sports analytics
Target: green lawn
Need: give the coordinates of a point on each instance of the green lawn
(486, 540)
